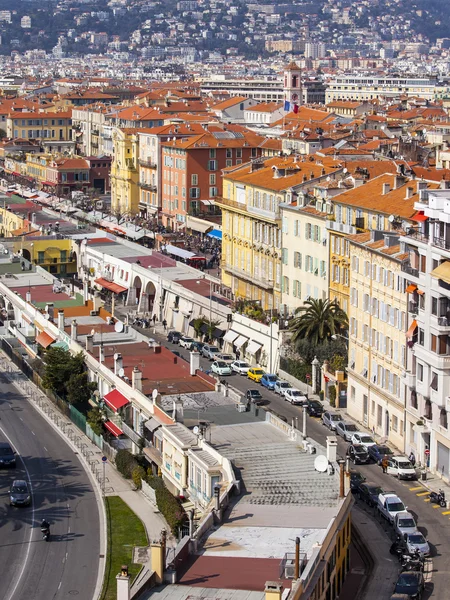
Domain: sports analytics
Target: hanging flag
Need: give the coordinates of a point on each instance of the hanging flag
(287, 105)
(295, 109)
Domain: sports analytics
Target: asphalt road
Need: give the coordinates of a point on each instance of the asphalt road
(67, 565)
(433, 524)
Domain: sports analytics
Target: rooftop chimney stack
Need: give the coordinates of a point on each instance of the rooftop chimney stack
(101, 353)
(74, 330)
(90, 343)
(136, 379)
(194, 362)
(118, 363)
(85, 291)
(61, 321)
(331, 448)
(28, 297)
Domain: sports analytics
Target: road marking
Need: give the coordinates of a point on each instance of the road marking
(427, 500)
(423, 494)
(59, 584)
(33, 433)
(21, 419)
(27, 554)
(68, 531)
(437, 506)
(45, 449)
(446, 512)
(414, 489)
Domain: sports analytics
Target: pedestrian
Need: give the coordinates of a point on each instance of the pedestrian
(384, 464)
(165, 324)
(412, 459)
(154, 320)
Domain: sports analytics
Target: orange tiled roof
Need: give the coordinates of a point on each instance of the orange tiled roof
(229, 102)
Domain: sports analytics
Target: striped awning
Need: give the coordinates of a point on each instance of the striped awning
(112, 427)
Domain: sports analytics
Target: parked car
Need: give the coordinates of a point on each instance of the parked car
(19, 493)
(358, 454)
(240, 367)
(255, 374)
(198, 346)
(228, 358)
(174, 337)
(378, 452)
(253, 395)
(369, 492)
(356, 480)
(220, 367)
(186, 342)
(411, 584)
(281, 386)
(7, 455)
(346, 430)
(331, 419)
(210, 352)
(401, 467)
(268, 381)
(389, 504)
(364, 439)
(295, 396)
(415, 542)
(314, 408)
(404, 522)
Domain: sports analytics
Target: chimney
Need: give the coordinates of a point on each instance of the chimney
(86, 291)
(421, 185)
(136, 379)
(409, 192)
(74, 330)
(33, 218)
(101, 353)
(386, 188)
(118, 363)
(273, 590)
(123, 584)
(157, 348)
(341, 479)
(90, 343)
(61, 320)
(331, 448)
(28, 296)
(194, 362)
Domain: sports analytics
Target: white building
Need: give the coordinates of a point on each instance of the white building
(365, 87)
(315, 50)
(25, 22)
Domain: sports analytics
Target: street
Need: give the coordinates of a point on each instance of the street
(67, 565)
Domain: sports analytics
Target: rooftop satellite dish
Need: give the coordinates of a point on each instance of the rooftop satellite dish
(391, 218)
(345, 170)
(121, 372)
(196, 430)
(155, 394)
(118, 327)
(321, 463)
(116, 356)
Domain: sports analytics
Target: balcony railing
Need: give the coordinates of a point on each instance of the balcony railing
(231, 203)
(261, 212)
(262, 281)
(410, 270)
(441, 243)
(413, 307)
(147, 186)
(147, 163)
(341, 227)
(129, 432)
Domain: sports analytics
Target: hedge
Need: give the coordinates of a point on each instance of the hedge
(168, 505)
(125, 463)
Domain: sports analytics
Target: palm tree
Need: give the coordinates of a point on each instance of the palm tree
(318, 320)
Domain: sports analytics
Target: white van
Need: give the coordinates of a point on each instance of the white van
(401, 467)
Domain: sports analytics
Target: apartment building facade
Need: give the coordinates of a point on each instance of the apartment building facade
(124, 173)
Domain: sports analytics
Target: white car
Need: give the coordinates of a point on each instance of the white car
(220, 368)
(389, 504)
(364, 439)
(281, 387)
(295, 396)
(401, 467)
(186, 342)
(228, 358)
(240, 367)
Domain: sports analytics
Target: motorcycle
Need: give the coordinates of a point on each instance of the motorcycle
(412, 563)
(397, 547)
(45, 533)
(438, 498)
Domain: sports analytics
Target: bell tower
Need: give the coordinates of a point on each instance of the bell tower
(293, 84)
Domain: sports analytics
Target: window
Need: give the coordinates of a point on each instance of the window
(298, 260)
(443, 418)
(379, 415)
(229, 153)
(285, 287)
(284, 256)
(423, 263)
(352, 393)
(394, 423)
(212, 179)
(212, 165)
(228, 162)
(194, 192)
(434, 381)
(212, 153)
(41, 257)
(297, 286)
(194, 179)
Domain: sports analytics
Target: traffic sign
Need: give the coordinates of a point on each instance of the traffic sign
(104, 459)
(427, 452)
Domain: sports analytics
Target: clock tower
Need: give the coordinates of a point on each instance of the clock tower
(293, 84)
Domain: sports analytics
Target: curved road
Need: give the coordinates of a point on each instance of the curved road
(67, 566)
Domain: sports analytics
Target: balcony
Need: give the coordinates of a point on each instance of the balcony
(340, 227)
(262, 282)
(147, 163)
(441, 243)
(227, 203)
(265, 214)
(415, 234)
(410, 270)
(147, 186)
(409, 379)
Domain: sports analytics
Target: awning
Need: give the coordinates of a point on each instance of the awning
(420, 216)
(192, 322)
(153, 455)
(109, 285)
(198, 224)
(442, 272)
(61, 344)
(45, 339)
(207, 202)
(412, 329)
(241, 341)
(204, 328)
(152, 424)
(412, 287)
(180, 252)
(420, 292)
(230, 336)
(218, 333)
(112, 427)
(253, 347)
(115, 400)
(215, 233)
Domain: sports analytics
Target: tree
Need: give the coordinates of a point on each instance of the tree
(66, 375)
(79, 388)
(198, 323)
(94, 418)
(318, 321)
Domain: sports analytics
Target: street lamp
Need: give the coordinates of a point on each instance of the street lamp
(335, 336)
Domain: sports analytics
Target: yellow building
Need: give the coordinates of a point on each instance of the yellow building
(47, 126)
(251, 222)
(53, 255)
(385, 203)
(124, 173)
(36, 166)
(10, 223)
(377, 342)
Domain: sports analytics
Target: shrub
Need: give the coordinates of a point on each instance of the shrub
(125, 463)
(332, 394)
(168, 505)
(138, 475)
(321, 394)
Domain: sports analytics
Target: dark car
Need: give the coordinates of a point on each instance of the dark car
(174, 337)
(358, 454)
(7, 455)
(253, 395)
(19, 494)
(378, 452)
(411, 584)
(356, 479)
(369, 492)
(197, 346)
(314, 408)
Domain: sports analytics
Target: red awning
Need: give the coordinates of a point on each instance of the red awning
(109, 285)
(412, 287)
(112, 427)
(16, 174)
(115, 400)
(49, 183)
(420, 216)
(44, 339)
